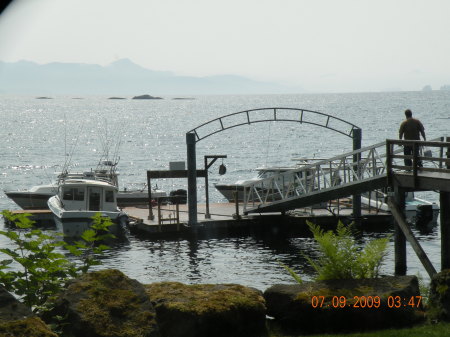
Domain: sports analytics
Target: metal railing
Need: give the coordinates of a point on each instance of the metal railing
(356, 166)
(341, 170)
(425, 156)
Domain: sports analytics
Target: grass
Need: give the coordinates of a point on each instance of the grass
(423, 330)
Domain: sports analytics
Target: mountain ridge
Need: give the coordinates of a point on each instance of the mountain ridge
(122, 77)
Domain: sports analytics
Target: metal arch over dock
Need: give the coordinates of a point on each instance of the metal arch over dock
(247, 117)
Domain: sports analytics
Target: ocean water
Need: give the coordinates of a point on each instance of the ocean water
(38, 136)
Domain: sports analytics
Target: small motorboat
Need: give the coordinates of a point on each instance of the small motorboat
(78, 200)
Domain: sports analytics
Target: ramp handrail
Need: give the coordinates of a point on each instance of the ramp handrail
(339, 171)
(343, 169)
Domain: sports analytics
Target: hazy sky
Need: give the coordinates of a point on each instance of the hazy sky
(321, 45)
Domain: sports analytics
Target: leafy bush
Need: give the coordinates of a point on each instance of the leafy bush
(341, 258)
(39, 270)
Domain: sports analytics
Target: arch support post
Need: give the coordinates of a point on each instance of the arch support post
(357, 136)
(192, 178)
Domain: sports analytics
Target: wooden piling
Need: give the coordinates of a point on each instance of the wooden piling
(444, 198)
(399, 237)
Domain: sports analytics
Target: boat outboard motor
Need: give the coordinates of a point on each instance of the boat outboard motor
(424, 214)
(180, 194)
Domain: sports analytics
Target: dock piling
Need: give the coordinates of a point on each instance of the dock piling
(192, 178)
(399, 237)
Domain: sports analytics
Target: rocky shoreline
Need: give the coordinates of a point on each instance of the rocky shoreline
(107, 303)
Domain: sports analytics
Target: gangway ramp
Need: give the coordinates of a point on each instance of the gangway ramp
(350, 173)
(320, 196)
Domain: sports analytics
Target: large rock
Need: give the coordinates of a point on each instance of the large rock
(105, 304)
(146, 97)
(11, 309)
(439, 300)
(207, 310)
(17, 320)
(345, 305)
(27, 327)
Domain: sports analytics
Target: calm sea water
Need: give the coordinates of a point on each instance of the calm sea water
(148, 134)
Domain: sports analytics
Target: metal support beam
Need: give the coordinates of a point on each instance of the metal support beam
(151, 216)
(207, 166)
(192, 178)
(357, 136)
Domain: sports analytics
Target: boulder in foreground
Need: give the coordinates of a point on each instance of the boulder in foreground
(439, 302)
(16, 319)
(206, 310)
(345, 305)
(105, 303)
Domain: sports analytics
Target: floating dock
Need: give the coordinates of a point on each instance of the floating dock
(226, 218)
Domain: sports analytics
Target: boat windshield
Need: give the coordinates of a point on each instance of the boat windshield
(268, 173)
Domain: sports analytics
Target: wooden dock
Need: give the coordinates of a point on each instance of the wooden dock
(225, 217)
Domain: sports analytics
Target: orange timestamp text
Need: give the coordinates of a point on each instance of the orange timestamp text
(365, 302)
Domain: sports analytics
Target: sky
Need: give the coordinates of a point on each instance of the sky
(320, 45)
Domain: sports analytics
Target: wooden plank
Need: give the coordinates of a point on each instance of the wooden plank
(426, 181)
(400, 219)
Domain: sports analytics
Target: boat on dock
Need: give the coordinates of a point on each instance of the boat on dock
(78, 200)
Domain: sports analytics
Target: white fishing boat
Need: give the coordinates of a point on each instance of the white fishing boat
(229, 191)
(78, 200)
(37, 196)
(34, 198)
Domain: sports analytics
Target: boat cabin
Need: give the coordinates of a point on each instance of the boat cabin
(90, 195)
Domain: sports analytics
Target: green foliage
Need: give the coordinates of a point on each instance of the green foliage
(294, 275)
(341, 258)
(90, 244)
(40, 271)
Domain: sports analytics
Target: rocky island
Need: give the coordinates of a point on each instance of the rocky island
(146, 97)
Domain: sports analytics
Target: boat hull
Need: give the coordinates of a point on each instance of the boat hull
(229, 191)
(29, 200)
(74, 223)
(76, 226)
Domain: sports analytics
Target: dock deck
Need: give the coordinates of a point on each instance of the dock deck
(223, 215)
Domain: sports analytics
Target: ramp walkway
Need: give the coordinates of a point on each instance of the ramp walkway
(352, 173)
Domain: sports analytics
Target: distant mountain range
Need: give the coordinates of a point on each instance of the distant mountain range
(122, 77)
